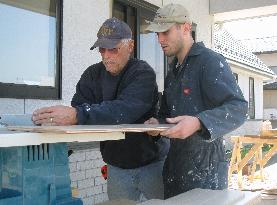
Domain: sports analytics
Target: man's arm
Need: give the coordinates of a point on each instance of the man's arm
(134, 100)
(221, 90)
(228, 108)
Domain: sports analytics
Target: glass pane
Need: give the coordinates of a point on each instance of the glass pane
(119, 11)
(127, 14)
(28, 42)
(151, 52)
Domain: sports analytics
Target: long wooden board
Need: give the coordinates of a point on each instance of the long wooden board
(269, 133)
(14, 139)
(74, 129)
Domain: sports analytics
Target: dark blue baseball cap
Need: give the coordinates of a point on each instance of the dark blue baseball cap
(111, 33)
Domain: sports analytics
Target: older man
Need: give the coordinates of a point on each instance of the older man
(118, 90)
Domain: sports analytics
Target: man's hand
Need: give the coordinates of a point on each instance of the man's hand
(186, 126)
(152, 121)
(55, 115)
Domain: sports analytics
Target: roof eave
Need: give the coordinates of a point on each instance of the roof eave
(265, 75)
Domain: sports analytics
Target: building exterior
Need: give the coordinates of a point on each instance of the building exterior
(32, 79)
(266, 50)
(264, 45)
(270, 88)
(248, 69)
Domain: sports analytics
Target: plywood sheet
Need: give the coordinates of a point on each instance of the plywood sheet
(91, 128)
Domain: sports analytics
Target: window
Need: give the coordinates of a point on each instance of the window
(251, 103)
(136, 14)
(236, 77)
(30, 48)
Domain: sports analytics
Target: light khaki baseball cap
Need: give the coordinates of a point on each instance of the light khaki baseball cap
(167, 16)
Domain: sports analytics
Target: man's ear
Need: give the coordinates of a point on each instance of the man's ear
(187, 27)
(131, 46)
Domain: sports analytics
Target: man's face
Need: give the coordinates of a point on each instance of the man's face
(116, 58)
(172, 40)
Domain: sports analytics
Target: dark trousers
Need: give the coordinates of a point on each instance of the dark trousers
(204, 169)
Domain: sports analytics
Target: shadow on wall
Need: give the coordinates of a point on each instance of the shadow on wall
(274, 124)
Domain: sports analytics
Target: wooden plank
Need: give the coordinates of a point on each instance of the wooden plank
(74, 129)
(238, 162)
(269, 133)
(233, 163)
(145, 127)
(269, 154)
(249, 155)
(27, 138)
(92, 128)
(258, 139)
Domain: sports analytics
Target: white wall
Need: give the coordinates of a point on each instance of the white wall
(258, 83)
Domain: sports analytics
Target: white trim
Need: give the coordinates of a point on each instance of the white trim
(266, 76)
(23, 139)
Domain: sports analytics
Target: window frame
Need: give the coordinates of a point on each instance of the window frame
(236, 77)
(251, 100)
(138, 6)
(141, 8)
(23, 91)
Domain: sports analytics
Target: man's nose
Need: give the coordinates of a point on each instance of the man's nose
(160, 37)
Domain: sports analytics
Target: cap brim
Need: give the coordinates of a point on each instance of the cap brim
(159, 27)
(105, 43)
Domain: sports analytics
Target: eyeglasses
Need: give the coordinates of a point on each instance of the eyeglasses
(110, 50)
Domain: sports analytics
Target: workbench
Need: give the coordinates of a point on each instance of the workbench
(34, 160)
(255, 153)
(34, 166)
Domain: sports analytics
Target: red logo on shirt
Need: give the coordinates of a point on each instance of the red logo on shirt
(187, 91)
